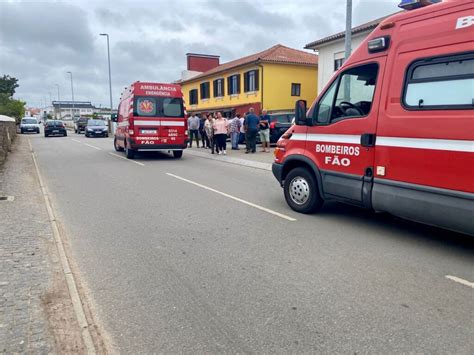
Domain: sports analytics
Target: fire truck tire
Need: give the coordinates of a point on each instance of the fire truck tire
(301, 191)
(116, 146)
(177, 153)
(129, 153)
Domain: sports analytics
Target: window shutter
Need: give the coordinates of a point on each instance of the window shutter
(238, 84)
(214, 88)
(229, 78)
(246, 81)
(256, 80)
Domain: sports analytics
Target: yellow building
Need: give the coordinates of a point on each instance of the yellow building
(273, 79)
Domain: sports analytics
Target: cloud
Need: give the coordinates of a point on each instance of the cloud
(40, 42)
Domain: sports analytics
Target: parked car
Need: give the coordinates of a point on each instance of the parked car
(96, 128)
(29, 124)
(80, 125)
(54, 128)
(279, 124)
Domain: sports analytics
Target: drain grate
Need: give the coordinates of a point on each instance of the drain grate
(7, 198)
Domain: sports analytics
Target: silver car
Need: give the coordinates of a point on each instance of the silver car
(29, 124)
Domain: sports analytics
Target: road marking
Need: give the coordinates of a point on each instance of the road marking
(461, 281)
(70, 280)
(130, 160)
(234, 198)
(92, 146)
(75, 140)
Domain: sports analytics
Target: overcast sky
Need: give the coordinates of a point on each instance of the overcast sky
(41, 40)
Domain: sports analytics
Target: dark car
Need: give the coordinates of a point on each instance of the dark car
(279, 124)
(80, 125)
(54, 128)
(96, 128)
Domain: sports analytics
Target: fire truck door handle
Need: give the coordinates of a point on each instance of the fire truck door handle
(367, 140)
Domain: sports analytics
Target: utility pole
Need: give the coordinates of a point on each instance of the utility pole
(72, 93)
(348, 37)
(110, 77)
(348, 45)
(59, 101)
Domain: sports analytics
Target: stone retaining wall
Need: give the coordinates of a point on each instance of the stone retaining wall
(7, 135)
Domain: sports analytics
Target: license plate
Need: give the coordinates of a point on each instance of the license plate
(56, 131)
(148, 131)
(30, 129)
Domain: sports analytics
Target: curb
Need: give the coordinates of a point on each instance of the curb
(231, 160)
(71, 283)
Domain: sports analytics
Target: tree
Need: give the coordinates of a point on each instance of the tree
(8, 84)
(11, 107)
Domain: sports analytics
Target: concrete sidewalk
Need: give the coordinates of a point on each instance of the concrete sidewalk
(258, 160)
(36, 313)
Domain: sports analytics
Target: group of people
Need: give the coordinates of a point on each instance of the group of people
(214, 129)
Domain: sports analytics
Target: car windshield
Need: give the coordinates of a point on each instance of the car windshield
(96, 123)
(29, 121)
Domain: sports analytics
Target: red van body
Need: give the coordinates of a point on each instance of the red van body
(393, 130)
(151, 117)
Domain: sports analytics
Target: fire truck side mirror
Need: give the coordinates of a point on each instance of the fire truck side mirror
(300, 112)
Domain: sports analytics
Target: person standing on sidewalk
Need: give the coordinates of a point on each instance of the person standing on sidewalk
(264, 132)
(202, 132)
(193, 126)
(251, 128)
(242, 130)
(235, 132)
(209, 128)
(221, 127)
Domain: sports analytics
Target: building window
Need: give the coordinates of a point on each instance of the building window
(233, 84)
(251, 81)
(205, 90)
(338, 63)
(218, 88)
(295, 89)
(193, 97)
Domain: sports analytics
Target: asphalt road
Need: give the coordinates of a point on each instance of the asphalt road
(175, 267)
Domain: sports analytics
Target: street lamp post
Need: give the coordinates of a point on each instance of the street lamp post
(348, 39)
(72, 93)
(110, 75)
(59, 101)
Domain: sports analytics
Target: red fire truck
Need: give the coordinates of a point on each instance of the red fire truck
(393, 130)
(151, 117)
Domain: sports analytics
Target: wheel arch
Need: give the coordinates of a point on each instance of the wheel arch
(298, 161)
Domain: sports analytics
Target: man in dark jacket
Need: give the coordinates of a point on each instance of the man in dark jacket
(251, 128)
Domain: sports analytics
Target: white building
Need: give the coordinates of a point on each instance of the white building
(64, 109)
(331, 50)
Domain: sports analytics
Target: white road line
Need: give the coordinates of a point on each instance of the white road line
(92, 146)
(75, 140)
(461, 281)
(130, 160)
(234, 198)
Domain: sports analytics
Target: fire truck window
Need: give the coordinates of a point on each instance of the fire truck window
(441, 83)
(325, 104)
(172, 107)
(355, 92)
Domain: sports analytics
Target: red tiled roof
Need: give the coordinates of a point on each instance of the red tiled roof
(361, 28)
(276, 54)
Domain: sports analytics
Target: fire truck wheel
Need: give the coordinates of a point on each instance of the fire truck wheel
(301, 191)
(129, 153)
(116, 146)
(177, 153)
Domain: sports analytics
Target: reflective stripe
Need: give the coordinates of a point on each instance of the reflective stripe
(146, 123)
(415, 143)
(122, 124)
(329, 138)
(426, 143)
(172, 123)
